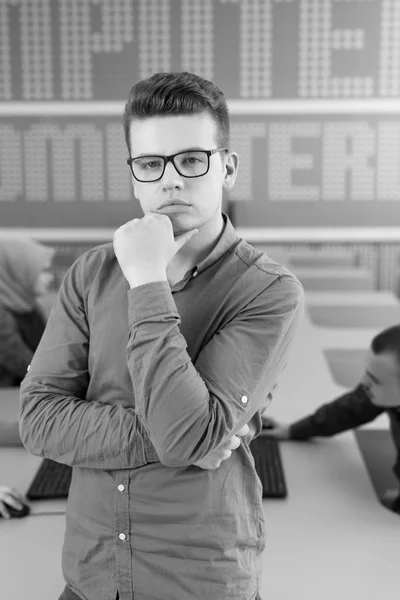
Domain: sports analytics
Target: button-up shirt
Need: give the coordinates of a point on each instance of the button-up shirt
(133, 386)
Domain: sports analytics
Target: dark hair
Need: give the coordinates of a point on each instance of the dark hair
(177, 94)
(388, 341)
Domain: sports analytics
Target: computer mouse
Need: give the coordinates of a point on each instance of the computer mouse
(17, 513)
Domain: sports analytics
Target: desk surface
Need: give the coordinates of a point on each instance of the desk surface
(321, 540)
(352, 298)
(332, 273)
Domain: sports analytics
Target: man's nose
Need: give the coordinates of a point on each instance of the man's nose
(171, 177)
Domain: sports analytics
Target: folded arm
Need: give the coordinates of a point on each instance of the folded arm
(56, 420)
(190, 409)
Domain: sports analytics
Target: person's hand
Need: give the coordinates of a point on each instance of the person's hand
(274, 429)
(12, 497)
(145, 246)
(213, 459)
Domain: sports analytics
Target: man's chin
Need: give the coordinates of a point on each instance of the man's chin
(180, 225)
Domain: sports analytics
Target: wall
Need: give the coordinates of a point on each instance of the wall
(313, 88)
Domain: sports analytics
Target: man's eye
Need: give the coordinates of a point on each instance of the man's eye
(153, 164)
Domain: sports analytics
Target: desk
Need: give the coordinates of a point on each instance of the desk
(307, 258)
(346, 365)
(327, 340)
(348, 278)
(353, 309)
(322, 542)
(352, 298)
(355, 316)
(349, 337)
(32, 544)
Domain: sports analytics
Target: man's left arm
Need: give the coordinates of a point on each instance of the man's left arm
(190, 409)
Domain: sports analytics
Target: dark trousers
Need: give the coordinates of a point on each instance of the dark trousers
(68, 594)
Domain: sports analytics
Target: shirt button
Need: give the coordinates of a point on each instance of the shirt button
(121, 487)
(244, 399)
(194, 274)
(122, 536)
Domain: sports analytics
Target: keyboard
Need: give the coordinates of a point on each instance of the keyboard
(269, 467)
(52, 480)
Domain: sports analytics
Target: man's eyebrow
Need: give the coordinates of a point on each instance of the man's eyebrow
(374, 379)
(193, 148)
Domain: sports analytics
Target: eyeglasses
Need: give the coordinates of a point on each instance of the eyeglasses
(192, 163)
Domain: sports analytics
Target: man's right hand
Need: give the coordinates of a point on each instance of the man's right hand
(213, 459)
(274, 429)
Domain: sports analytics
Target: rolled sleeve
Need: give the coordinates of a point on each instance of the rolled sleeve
(56, 420)
(190, 409)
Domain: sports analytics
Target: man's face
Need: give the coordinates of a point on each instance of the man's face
(203, 195)
(382, 379)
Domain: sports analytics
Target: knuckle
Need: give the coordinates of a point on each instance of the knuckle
(235, 442)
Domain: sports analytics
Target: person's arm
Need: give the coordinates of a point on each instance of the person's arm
(56, 420)
(15, 355)
(351, 410)
(189, 409)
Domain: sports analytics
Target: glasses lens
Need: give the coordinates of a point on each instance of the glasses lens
(148, 168)
(192, 164)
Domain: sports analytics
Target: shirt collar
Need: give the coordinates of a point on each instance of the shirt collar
(227, 239)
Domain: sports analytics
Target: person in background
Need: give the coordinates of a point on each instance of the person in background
(160, 348)
(377, 392)
(25, 277)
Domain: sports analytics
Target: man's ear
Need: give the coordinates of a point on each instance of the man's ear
(231, 170)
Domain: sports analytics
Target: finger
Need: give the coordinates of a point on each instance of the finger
(18, 495)
(183, 239)
(12, 501)
(234, 443)
(226, 454)
(3, 511)
(244, 430)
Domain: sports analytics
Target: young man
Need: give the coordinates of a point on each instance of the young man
(378, 392)
(160, 349)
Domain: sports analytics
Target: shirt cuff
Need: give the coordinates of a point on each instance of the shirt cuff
(150, 300)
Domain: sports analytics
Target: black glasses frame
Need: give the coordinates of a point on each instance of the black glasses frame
(170, 158)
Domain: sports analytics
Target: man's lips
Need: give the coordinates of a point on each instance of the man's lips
(173, 203)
